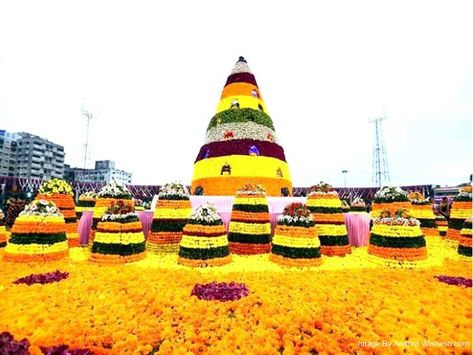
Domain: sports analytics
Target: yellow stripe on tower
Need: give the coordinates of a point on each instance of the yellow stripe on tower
(241, 165)
(245, 89)
(243, 101)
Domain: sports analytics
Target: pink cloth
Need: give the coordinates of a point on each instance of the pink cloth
(358, 227)
(85, 223)
(146, 218)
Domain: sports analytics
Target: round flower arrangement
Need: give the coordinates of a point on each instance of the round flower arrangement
(389, 198)
(421, 209)
(464, 245)
(204, 240)
(295, 241)
(119, 237)
(326, 208)
(249, 230)
(3, 231)
(38, 234)
(397, 238)
(86, 202)
(60, 192)
(358, 205)
(169, 218)
(461, 210)
(110, 193)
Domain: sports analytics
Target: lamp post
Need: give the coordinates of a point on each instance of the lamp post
(344, 172)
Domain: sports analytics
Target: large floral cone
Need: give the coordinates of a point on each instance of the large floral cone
(389, 198)
(295, 241)
(421, 209)
(460, 211)
(326, 209)
(241, 145)
(249, 230)
(119, 237)
(38, 234)
(61, 194)
(169, 218)
(204, 241)
(464, 243)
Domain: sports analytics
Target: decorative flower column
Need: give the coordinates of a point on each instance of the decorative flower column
(169, 218)
(38, 234)
(86, 202)
(358, 205)
(461, 210)
(389, 198)
(241, 146)
(119, 237)
(61, 193)
(464, 245)
(421, 209)
(326, 208)
(398, 239)
(204, 241)
(109, 194)
(295, 241)
(249, 231)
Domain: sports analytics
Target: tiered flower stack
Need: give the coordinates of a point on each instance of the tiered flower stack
(326, 208)
(3, 230)
(442, 225)
(241, 146)
(358, 205)
(169, 218)
(110, 193)
(345, 206)
(461, 210)
(61, 193)
(86, 202)
(389, 198)
(295, 241)
(38, 234)
(397, 239)
(119, 237)
(464, 245)
(249, 231)
(421, 209)
(204, 241)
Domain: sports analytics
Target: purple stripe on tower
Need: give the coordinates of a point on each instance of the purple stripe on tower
(241, 147)
(241, 78)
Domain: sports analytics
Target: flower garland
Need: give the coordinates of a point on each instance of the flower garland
(8, 345)
(55, 186)
(456, 281)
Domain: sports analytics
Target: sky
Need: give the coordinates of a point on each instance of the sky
(152, 72)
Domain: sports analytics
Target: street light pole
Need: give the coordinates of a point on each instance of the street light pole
(344, 172)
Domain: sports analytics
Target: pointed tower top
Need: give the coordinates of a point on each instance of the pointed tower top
(241, 66)
(242, 59)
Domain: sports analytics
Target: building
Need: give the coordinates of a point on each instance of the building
(104, 172)
(29, 156)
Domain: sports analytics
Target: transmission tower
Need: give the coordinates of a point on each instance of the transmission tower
(380, 161)
(88, 116)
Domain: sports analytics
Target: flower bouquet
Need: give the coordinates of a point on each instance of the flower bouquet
(204, 240)
(295, 241)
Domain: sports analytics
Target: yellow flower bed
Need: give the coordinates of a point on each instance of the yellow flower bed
(460, 213)
(296, 242)
(396, 231)
(202, 242)
(250, 228)
(346, 305)
(324, 201)
(250, 201)
(331, 229)
(119, 238)
(33, 248)
(171, 213)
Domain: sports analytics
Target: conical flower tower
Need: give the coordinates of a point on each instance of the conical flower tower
(461, 210)
(295, 241)
(3, 230)
(389, 198)
(110, 193)
(249, 231)
(86, 202)
(204, 240)
(326, 208)
(241, 146)
(464, 245)
(421, 209)
(169, 218)
(61, 193)
(119, 237)
(38, 234)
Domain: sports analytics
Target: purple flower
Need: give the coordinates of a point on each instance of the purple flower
(46, 278)
(452, 280)
(8, 345)
(220, 291)
(64, 350)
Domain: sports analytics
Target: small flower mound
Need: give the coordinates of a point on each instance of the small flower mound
(86, 202)
(422, 210)
(222, 291)
(41, 208)
(64, 350)
(456, 281)
(358, 205)
(390, 198)
(8, 345)
(42, 279)
(114, 190)
(174, 191)
(56, 186)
